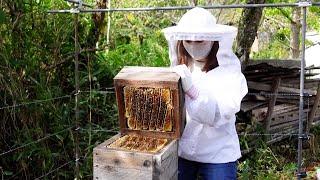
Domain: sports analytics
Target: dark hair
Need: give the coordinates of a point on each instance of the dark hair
(184, 56)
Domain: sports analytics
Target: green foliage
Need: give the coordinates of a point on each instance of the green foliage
(313, 18)
(275, 50)
(276, 23)
(36, 63)
(3, 17)
(149, 53)
(30, 43)
(264, 164)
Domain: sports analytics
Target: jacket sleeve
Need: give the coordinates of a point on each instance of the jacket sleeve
(217, 104)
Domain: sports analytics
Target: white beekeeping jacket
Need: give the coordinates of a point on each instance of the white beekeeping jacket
(210, 135)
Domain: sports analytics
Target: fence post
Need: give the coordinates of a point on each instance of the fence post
(301, 137)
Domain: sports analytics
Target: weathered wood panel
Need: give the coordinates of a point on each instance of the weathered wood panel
(260, 76)
(272, 103)
(127, 165)
(267, 87)
(313, 110)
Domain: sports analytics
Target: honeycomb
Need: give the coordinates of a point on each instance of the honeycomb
(139, 143)
(148, 108)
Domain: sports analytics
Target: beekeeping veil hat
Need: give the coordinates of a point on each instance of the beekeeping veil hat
(199, 24)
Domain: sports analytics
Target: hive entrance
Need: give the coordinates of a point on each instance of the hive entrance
(139, 143)
(148, 108)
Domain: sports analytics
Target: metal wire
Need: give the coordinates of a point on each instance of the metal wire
(99, 92)
(218, 6)
(273, 94)
(271, 171)
(107, 91)
(63, 165)
(115, 130)
(35, 102)
(112, 92)
(269, 134)
(35, 142)
(105, 88)
(108, 88)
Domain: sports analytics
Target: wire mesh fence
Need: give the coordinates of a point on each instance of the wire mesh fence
(110, 90)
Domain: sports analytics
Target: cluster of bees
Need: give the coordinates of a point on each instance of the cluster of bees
(139, 143)
(149, 109)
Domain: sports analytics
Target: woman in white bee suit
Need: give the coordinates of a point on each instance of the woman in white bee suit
(201, 53)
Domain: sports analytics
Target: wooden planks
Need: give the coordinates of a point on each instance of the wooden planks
(313, 111)
(127, 165)
(147, 77)
(278, 109)
(272, 103)
(267, 87)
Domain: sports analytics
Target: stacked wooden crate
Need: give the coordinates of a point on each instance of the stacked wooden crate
(273, 98)
(151, 117)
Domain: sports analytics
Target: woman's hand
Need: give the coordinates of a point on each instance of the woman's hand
(185, 75)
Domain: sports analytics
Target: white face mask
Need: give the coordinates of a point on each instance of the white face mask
(198, 50)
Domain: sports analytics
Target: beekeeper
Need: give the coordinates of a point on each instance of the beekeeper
(200, 51)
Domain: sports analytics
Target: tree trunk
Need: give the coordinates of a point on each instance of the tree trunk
(99, 24)
(248, 27)
(89, 44)
(295, 33)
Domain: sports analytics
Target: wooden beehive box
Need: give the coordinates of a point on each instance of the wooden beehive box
(151, 117)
